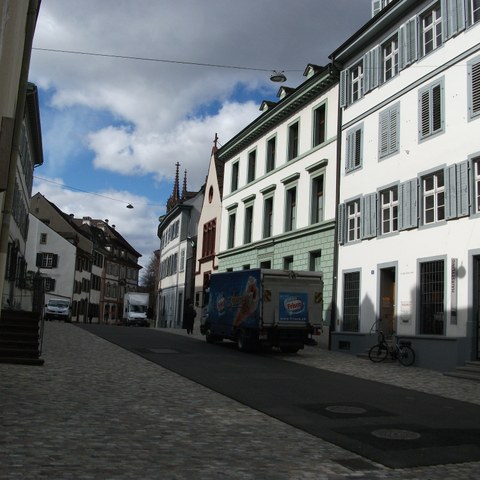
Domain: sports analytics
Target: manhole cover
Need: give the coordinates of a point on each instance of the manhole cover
(346, 409)
(396, 434)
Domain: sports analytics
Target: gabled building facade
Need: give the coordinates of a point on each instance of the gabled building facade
(177, 232)
(409, 214)
(279, 188)
(51, 258)
(208, 235)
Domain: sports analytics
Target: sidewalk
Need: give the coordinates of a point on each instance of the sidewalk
(95, 411)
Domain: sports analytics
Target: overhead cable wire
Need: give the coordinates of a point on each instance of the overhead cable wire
(160, 60)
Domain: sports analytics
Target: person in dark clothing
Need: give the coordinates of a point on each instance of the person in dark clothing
(189, 318)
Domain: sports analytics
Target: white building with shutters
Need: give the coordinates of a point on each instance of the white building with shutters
(409, 212)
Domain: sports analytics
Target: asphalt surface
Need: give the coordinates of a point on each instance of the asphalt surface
(390, 425)
(95, 410)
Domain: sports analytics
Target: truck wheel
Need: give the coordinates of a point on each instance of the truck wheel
(289, 349)
(211, 338)
(242, 341)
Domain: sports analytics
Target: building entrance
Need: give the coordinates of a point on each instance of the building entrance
(387, 322)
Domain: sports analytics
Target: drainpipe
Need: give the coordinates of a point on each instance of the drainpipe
(32, 14)
(334, 309)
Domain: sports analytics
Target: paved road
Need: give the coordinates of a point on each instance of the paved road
(97, 411)
(396, 427)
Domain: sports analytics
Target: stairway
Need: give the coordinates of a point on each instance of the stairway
(20, 337)
(471, 371)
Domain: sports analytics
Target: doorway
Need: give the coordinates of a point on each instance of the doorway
(476, 302)
(387, 320)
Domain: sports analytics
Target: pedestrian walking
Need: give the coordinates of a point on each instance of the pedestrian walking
(189, 318)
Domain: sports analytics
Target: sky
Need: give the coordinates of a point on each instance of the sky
(152, 83)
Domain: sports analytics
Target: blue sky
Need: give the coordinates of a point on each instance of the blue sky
(116, 127)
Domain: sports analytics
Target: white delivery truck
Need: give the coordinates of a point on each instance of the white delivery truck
(58, 308)
(135, 307)
(262, 307)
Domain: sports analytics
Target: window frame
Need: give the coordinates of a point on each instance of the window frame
(251, 165)
(391, 205)
(291, 208)
(353, 220)
(437, 38)
(234, 177)
(248, 222)
(391, 60)
(267, 225)
(437, 193)
(353, 324)
(232, 219)
(271, 154)
(319, 122)
(293, 140)
(317, 199)
(423, 308)
(356, 75)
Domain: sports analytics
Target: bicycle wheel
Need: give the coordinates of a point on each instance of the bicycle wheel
(406, 355)
(378, 353)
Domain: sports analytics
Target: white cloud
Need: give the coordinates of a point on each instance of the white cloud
(138, 225)
(139, 118)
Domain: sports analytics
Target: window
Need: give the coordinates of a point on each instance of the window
(431, 110)
(351, 301)
(315, 261)
(293, 141)
(390, 58)
(433, 197)
(475, 6)
(288, 263)
(431, 29)
(47, 260)
(474, 88)
(268, 217)
(354, 148)
(389, 130)
(271, 153)
(252, 160)
(181, 265)
(353, 221)
(43, 238)
(209, 234)
(319, 130)
(291, 209)
(389, 210)
(356, 82)
(317, 199)
(248, 224)
(231, 230)
(49, 284)
(234, 177)
(476, 180)
(432, 291)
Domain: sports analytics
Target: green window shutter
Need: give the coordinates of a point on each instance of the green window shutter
(344, 75)
(341, 227)
(450, 192)
(369, 216)
(407, 205)
(431, 110)
(389, 124)
(462, 189)
(408, 42)
(376, 7)
(384, 140)
(371, 65)
(453, 17)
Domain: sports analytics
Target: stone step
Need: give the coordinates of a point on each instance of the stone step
(21, 360)
(470, 371)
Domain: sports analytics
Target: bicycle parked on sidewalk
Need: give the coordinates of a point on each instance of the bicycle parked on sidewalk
(400, 350)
